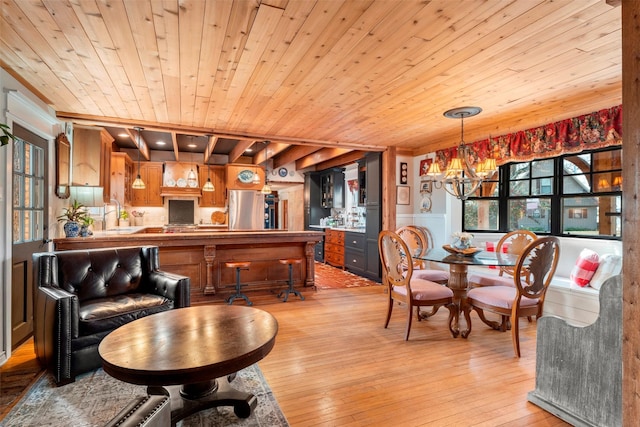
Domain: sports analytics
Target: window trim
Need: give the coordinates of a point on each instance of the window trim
(556, 197)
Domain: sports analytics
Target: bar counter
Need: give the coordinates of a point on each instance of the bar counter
(201, 255)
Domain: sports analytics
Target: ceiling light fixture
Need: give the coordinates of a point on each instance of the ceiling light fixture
(192, 178)
(460, 178)
(138, 183)
(208, 186)
(266, 188)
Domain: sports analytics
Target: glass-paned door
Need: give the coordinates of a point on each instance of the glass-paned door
(29, 226)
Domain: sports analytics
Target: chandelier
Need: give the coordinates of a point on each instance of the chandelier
(460, 179)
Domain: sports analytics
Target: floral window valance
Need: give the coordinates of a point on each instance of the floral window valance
(590, 131)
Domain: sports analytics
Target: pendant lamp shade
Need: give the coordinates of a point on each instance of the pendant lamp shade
(138, 183)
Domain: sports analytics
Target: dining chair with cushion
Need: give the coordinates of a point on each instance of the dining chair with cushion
(417, 240)
(532, 275)
(397, 265)
(512, 243)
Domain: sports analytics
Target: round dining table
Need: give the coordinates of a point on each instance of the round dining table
(458, 267)
(191, 354)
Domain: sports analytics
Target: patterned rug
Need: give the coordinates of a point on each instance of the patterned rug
(328, 277)
(95, 398)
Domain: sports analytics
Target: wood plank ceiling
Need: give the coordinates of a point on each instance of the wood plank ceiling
(337, 75)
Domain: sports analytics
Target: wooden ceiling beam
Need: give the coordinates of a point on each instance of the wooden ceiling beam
(200, 131)
(273, 149)
(133, 134)
(320, 156)
(342, 160)
(174, 141)
(293, 154)
(239, 150)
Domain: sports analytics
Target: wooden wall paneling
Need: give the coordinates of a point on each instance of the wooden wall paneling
(389, 189)
(631, 206)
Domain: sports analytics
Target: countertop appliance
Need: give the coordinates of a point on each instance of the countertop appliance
(246, 210)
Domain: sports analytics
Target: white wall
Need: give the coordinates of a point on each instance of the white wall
(18, 105)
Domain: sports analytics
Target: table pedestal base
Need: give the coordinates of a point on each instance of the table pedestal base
(191, 398)
(459, 285)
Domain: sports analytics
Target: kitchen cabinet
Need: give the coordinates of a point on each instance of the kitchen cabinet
(318, 253)
(362, 183)
(334, 247)
(332, 187)
(151, 174)
(89, 169)
(354, 252)
(86, 167)
(121, 178)
(313, 210)
(373, 211)
(217, 197)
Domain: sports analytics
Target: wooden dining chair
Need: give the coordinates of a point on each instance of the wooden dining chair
(397, 265)
(532, 275)
(417, 240)
(512, 243)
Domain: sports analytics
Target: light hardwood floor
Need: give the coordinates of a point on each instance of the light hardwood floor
(335, 365)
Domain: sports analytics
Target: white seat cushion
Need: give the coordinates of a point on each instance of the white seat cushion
(499, 296)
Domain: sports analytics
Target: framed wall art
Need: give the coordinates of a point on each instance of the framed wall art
(424, 166)
(404, 173)
(426, 187)
(402, 195)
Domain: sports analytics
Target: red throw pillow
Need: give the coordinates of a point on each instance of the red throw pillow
(585, 268)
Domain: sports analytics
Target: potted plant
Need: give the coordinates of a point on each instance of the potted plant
(72, 217)
(124, 219)
(87, 221)
(6, 134)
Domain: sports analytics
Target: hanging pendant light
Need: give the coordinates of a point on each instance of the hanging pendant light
(266, 188)
(208, 186)
(138, 183)
(192, 178)
(460, 178)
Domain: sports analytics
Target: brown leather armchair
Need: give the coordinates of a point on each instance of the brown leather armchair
(82, 295)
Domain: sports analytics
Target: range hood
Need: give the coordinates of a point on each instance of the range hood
(180, 192)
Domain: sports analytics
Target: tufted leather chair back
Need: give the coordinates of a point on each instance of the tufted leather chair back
(104, 273)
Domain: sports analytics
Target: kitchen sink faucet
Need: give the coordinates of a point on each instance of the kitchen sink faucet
(105, 213)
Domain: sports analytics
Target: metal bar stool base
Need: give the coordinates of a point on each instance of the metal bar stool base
(238, 266)
(290, 289)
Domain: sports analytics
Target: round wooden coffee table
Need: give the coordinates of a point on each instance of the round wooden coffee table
(191, 354)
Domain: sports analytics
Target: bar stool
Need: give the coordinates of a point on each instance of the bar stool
(239, 265)
(286, 292)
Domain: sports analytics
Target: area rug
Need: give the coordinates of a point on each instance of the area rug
(328, 277)
(95, 398)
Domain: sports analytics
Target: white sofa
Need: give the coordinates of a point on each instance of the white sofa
(578, 306)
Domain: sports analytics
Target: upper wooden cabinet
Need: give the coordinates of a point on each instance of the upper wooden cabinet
(243, 177)
(217, 174)
(121, 178)
(91, 157)
(151, 174)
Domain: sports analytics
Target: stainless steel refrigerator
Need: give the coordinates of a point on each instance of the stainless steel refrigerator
(246, 210)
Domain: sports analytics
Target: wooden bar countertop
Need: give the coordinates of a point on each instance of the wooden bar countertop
(201, 254)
